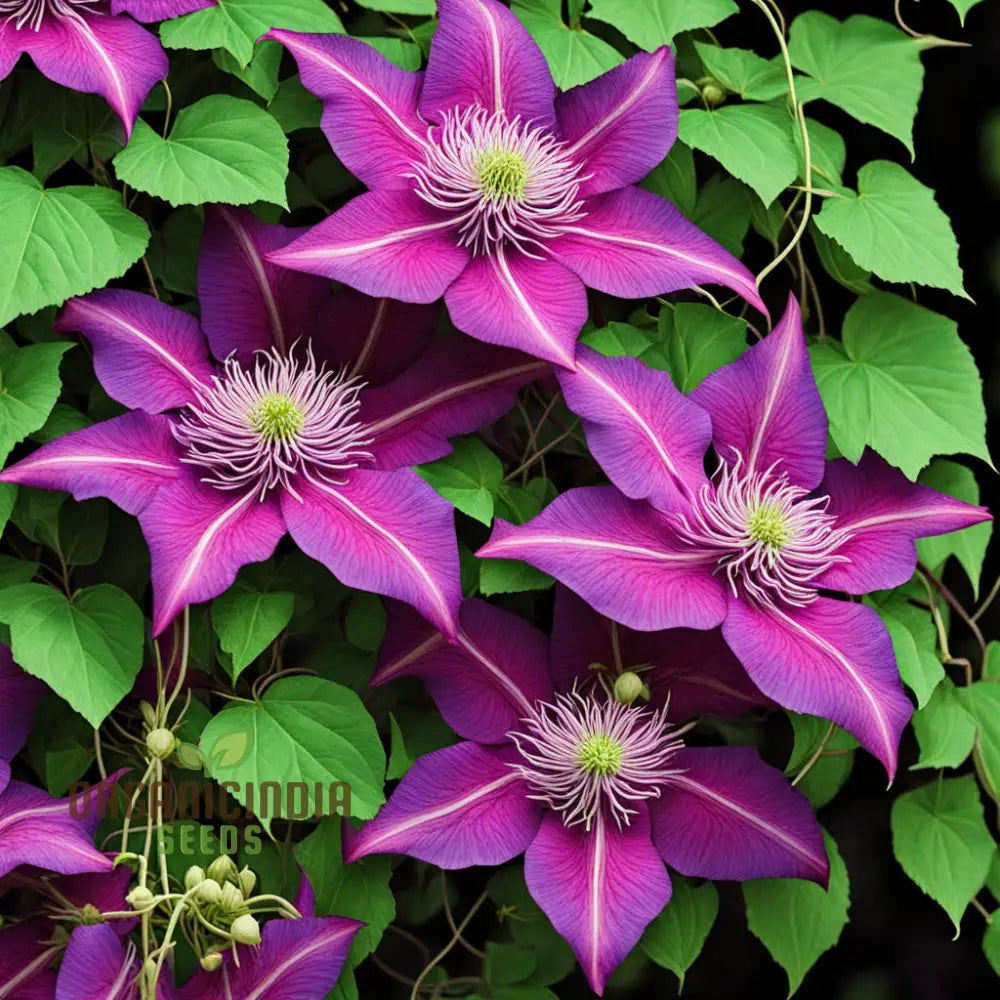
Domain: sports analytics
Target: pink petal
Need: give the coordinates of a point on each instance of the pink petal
(694, 669)
(620, 556)
(296, 960)
(456, 387)
(623, 123)
(766, 406)
(158, 10)
(460, 806)
(885, 513)
(536, 306)
(126, 459)
(387, 532)
(646, 434)
(385, 243)
(833, 659)
(485, 682)
(199, 537)
(247, 303)
(96, 966)
(110, 56)
(373, 338)
(20, 696)
(53, 834)
(25, 958)
(731, 816)
(634, 244)
(600, 888)
(369, 105)
(104, 890)
(482, 54)
(148, 355)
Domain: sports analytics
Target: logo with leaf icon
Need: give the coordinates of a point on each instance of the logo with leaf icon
(225, 753)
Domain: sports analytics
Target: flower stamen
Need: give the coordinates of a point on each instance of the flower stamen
(32, 13)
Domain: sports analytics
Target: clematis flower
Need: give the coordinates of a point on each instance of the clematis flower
(99, 965)
(753, 548)
(490, 189)
(20, 696)
(27, 950)
(90, 45)
(598, 794)
(220, 458)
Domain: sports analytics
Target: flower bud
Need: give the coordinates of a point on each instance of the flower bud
(208, 892)
(149, 974)
(211, 961)
(148, 714)
(231, 899)
(245, 930)
(222, 869)
(628, 687)
(193, 877)
(161, 743)
(139, 898)
(712, 92)
(247, 882)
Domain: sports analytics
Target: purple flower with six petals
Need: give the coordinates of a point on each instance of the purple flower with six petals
(596, 793)
(89, 45)
(219, 459)
(752, 548)
(490, 189)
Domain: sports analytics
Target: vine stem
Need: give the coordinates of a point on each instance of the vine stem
(956, 606)
(471, 948)
(817, 753)
(800, 116)
(415, 992)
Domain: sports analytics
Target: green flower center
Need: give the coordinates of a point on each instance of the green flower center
(502, 174)
(768, 524)
(600, 754)
(276, 417)
(90, 915)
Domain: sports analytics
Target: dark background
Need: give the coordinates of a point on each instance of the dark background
(898, 944)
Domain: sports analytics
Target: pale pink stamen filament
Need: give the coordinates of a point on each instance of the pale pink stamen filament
(33, 12)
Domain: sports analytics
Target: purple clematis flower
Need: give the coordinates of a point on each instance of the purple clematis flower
(490, 189)
(27, 949)
(220, 458)
(89, 45)
(20, 696)
(597, 794)
(752, 548)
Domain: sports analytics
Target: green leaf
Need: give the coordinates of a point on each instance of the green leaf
(247, 623)
(723, 211)
(220, 149)
(468, 478)
(510, 576)
(839, 264)
(827, 773)
(744, 72)
(866, 66)
(400, 759)
(944, 729)
(83, 531)
(982, 700)
(519, 504)
(674, 178)
(365, 621)
(656, 22)
(61, 745)
(752, 141)
(876, 395)
(695, 341)
(294, 107)
(73, 125)
(405, 55)
(574, 56)
(173, 251)
(260, 74)
(359, 890)
(963, 7)
(991, 936)
(14, 571)
(425, 7)
(797, 920)
(940, 838)
(827, 154)
(967, 545)
(914, 644)
(303, 730)
(675, 938)
(29, 387)
(235, 25)
(62, 420)
(59, 242)
(8, 496)
(894, 228)
(617, 340)
(88, 650)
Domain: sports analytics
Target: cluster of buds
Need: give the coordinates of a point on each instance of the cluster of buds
(220, 895)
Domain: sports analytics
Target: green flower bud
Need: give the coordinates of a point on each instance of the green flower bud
(245, 930)
(712, 92)
(231, 899)
(161, 743)
(211, 961)
(139, 898)
(208, 892)
(628, 687)
(193, 877)
(148, 714)
(247, 882)
(222, 869)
